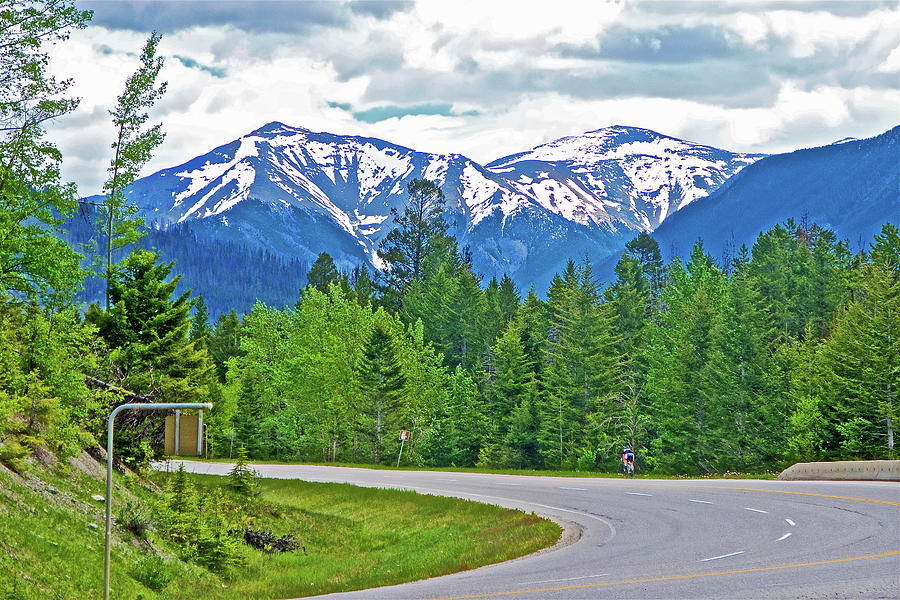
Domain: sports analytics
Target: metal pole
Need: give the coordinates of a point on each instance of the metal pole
(400, 454)
(109, 462)
(200, 434)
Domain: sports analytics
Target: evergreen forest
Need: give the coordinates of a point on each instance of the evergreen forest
(788, 351)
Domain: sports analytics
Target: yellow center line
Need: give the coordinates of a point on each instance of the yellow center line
(670, 578)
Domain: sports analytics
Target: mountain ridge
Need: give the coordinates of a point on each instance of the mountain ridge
(305, 192)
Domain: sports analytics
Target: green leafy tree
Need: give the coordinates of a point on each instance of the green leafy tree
(133, 147)
(34, 261)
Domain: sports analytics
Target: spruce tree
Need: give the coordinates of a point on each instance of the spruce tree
(225, 342)
(323, 273)
(200, 328)
(381, 384)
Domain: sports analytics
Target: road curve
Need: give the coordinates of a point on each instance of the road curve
(661, 538)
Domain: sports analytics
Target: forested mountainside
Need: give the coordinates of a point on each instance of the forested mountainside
(851, 187)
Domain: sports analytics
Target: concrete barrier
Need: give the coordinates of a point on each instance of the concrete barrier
(844, 470)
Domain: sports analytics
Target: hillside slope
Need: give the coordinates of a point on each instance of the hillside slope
(851, 187)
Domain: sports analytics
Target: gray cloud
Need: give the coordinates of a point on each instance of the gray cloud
(378, 53)
(667, 44)
(256, 16)
(380, 9)
(679, 7)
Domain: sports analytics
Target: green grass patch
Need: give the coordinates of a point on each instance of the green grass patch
(354, 538)
(357, 538)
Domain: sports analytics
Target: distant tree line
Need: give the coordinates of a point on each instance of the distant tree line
(788, 352)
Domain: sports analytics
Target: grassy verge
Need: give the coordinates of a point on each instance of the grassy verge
(354, 538)
(357, 538)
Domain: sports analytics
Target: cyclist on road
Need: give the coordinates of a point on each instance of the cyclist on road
(628, 460)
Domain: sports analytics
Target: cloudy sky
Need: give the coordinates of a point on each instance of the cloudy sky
(488, 78)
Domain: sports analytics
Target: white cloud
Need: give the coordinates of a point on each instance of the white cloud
(242, 80)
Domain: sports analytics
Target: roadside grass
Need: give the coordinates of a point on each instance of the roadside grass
(489, 470)
(354, 538)
(49, 549)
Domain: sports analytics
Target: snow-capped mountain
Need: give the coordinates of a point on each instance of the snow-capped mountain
(295, 192)
(626, 174)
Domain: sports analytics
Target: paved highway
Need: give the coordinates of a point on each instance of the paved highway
(662, 539)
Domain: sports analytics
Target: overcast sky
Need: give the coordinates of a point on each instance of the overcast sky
(488, 78)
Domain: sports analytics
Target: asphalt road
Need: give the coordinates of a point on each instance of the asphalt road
(662, 539)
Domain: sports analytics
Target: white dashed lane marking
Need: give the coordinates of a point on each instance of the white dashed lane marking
(784, 537)
(567, 579)
(577, 490)
(637, 494)
(510, 484)
(723, 556)
(765, 512)
(701, 501)
(789, 522)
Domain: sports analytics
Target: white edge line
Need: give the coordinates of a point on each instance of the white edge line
(789, 522)
(566, 579)
(784, 537)
(723, 556)
(638, 494)
(578, 490)
(765, 512)
(501, 483)
(701, 501)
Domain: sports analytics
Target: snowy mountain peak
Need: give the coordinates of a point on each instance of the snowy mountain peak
(298, 192)
(277, 128)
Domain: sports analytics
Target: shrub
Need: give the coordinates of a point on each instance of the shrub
(152, 572)
(242, 478)
(133, 518)
(201, 525)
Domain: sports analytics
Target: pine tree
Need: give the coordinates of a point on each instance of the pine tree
(363, 287)
(681, 353)
(406, 247)
(381, 384)
(863, 358)
(323, 273)
(225, 342)
(200, 328)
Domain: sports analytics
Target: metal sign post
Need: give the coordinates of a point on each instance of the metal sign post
(109, 462)
(404, 435)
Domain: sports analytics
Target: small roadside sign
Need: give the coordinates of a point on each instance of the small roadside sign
(404, 437)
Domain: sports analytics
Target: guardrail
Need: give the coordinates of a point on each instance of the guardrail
(844, 470)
